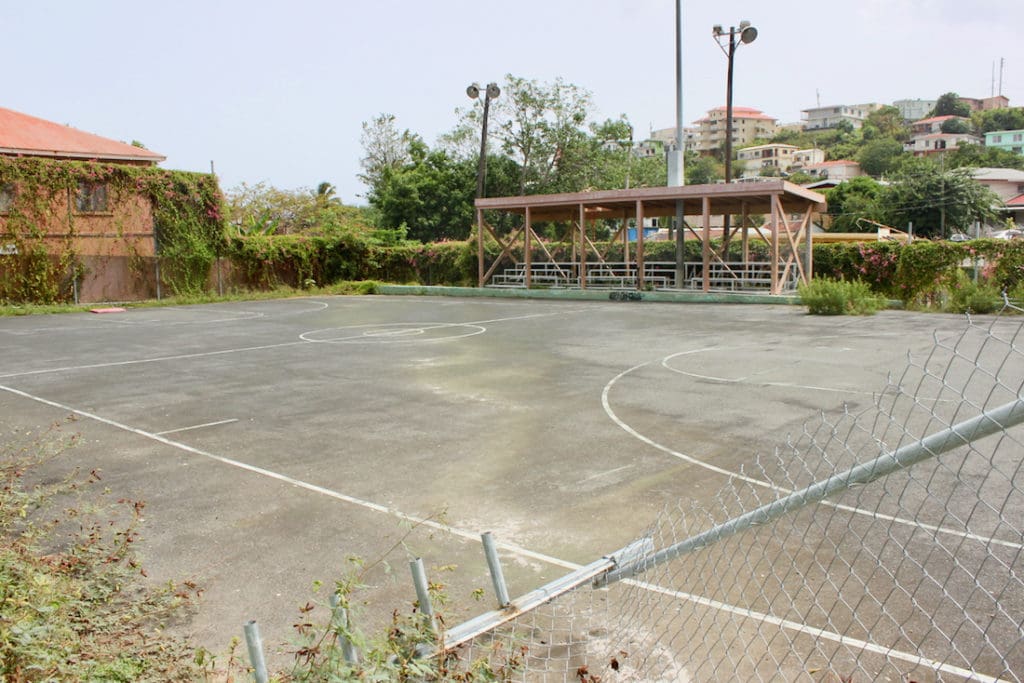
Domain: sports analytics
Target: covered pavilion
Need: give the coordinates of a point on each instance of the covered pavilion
(787, 212)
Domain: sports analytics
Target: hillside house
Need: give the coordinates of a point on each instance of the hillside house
(1008, 184)
(822, 118)
(1008, 140)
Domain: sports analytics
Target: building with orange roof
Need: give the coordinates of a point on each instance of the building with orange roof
(22, 135)
(78, 213)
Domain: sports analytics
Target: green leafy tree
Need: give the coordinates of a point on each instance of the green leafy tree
(540, 126)
(261, 209)
(1008, 118)
(886, 122)
(701, 170)
(878, 156)
(980, 156)
(431, 195)
(853, 201)
(956, 126)
(950, 104)
(384, 148)
(937, 202)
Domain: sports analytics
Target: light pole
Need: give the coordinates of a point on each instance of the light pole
(736, 37)
(491, 92)
(746, 34)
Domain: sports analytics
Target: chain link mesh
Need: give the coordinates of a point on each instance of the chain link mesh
(917, 576)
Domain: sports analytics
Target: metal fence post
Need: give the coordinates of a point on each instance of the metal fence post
(342, 626)
(419, 579)
(494, 564)
(255, 645)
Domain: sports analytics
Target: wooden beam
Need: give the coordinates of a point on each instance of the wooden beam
(706, 242)
(583, 247)
(527, 258)
(639, 244)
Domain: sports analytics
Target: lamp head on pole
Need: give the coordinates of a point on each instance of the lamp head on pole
(493, 90)
(748, 34)
(716, 30)
(473, 91)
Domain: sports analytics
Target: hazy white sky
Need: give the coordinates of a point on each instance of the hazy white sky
(277, 91)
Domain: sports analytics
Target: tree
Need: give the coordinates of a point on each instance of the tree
(384, 147)
(878, 156)
(701, 170)
(431, 195)
(264, 209)
(326, 195)
(540, 126)
(955, 126)
(938, 203)
(983, 157)
(886, 122)
(1008, 118)
(950, 104)
(851, 201)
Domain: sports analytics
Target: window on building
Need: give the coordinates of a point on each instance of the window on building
(997, 138)
(1018, 137)
(7, 193)
(91, 198)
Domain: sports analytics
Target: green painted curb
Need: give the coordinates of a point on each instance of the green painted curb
(589, 295)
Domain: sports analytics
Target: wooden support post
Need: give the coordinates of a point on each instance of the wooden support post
(583, 247)
(706, 242)
(480, 247)
(776, 285)
(639, 244)
(625, 240)
(745, 216)
(528, 232)
(809, 266)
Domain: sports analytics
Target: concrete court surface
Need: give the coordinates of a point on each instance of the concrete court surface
(273, 440)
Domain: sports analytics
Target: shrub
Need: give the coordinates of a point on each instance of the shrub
(826, 296)
(967, 296)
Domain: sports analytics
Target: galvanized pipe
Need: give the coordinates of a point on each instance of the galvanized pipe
(999, 419)
(342, 626)
(419, 579)
(255, 646)
(494, 565)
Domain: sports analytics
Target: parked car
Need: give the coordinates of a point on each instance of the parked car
(959, 237)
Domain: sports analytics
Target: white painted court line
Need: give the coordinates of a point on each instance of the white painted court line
(606, 403)
(158, 359)
(509, 547)
(205, 424)
(203, 354)
(819, 633)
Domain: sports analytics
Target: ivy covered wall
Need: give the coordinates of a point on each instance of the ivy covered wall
(94, 229)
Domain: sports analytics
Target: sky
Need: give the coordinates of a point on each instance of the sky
(276, 92)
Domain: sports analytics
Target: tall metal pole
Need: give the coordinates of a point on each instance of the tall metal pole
(728, 105)
(481, 169)
(680, 161)
(728, 136)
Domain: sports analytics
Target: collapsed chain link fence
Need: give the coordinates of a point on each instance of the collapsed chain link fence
(884, 545)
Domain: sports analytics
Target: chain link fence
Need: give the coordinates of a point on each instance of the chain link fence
(883, 545)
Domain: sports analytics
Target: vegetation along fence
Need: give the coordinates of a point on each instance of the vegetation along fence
(883, 545)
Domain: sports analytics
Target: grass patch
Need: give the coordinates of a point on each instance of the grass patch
(347, 288)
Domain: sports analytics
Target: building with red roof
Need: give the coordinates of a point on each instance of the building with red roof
(77, 213)
(22, 135)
